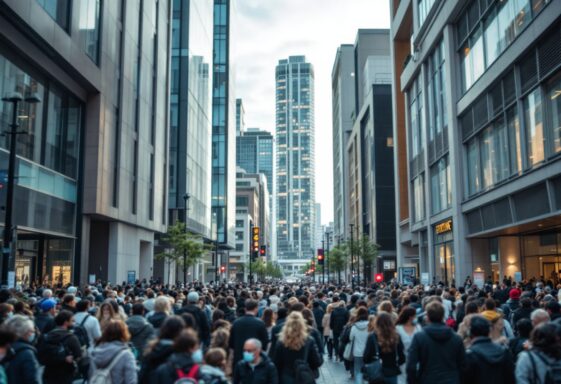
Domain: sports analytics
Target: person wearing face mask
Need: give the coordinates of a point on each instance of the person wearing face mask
(255, 367)
(184, 363)
(22, 364)
(6, 340)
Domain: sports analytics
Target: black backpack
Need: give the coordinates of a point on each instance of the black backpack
(304, 374)
(51, 351)
(553, 373)
(80, 332)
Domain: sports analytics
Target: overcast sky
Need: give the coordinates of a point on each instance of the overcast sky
(268, 30)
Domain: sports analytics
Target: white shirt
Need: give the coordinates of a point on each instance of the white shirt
(91, 325)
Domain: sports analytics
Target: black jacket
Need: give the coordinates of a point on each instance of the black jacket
(318, 317)
(157, 319)
(285, 358)
(339, 317)
(153, 359)
(202, 322)
(488, 363)
(141, 332)
(167, 373)
(63, 372)
(263, 373)
(519, 314)
(22, 364)
(275, 334)
(436, 356)
(45, 322)
(244, 328)
(391, 361)
(229, 314)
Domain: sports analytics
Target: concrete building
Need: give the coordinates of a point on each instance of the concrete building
(295, 162)
(223, 190)
(190, 167)
(476, 127)
(91, 187)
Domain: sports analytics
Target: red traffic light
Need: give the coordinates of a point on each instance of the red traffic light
(263, 250)
(222, 268)
(379, 277)
(320, 256)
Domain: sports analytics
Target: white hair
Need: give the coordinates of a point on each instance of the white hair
(20, 325)
(256, 343)
(539, 316)
(47, 294)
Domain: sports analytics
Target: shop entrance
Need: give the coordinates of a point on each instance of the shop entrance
(542, 256)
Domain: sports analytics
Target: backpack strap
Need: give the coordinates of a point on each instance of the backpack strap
(534, 370)
(84, 320)
(193, 371)
(116, 359)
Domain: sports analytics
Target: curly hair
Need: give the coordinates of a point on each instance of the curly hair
(295, 332)
(386, 333)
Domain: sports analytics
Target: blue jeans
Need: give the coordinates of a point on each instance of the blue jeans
(357, 367)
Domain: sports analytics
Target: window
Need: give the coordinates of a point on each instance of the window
(473, 167)
(416, 118)
(534, 127)
(419, 198)
(58, 10)
(513, 128)
(437, 104)
(441, 186)
(424, 9)
(494, 154)
(554, 101)
(88, 25)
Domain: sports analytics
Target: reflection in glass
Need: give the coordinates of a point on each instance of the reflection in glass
(473, 166)
(515, 146)
(554, 100)
(88, 25)
(419, 198)
(58, 10)
(534, 127)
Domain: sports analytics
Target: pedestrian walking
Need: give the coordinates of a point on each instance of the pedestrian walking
(141, 331)
(184, 362)
(358, 337)
(21, 364)
(542, 363)
(247, 327)
(255, 367)
(406, 328)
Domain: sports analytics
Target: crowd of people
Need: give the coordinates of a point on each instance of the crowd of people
(275, 332)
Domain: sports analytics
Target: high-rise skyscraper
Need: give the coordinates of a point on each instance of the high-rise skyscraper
(240, 117)
(295, 162)
(223, 189)
(190, 116)
(254, 153)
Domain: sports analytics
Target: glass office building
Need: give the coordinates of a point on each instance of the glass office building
(482, 164)
(87, 205)
(254, 153)
(295, 160)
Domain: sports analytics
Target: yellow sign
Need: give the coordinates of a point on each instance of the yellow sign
(443, 227)
(255, 239)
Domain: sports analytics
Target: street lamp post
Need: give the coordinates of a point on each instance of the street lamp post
(352, 259)
(327, 235)
(186, 198)
(216, 263)
(14, 98)
(323, 264)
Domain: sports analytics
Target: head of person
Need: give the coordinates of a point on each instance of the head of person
(545, 338)
(268, 317)
(252, 351)
(138, 309)
(187, 342)
(64, 319)
(361, 314)
(479, 327)
(539, 316)
(171, 327)
(282, 313)
(435, 312)
(69, 300)
(115, 330)
(471, 308)
(21, 327)
(215, 357)
(106, 311)
(371, 323)
(385, 306)
(407, 315)
(7, 338)
(193, 298)
(309, 317)
(220, 338)
(385, 331)
(524, 328)
(83, 305)
(251, 307)
(489, 305)
(162, 304)
(295, 332)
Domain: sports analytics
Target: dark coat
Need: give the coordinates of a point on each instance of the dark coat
(285, 360)
(153, 359)
(318, 338)
(244, 328)
(157, 319)
(63, 372)
(45, 322)
(436, 356)
(391, 361)
(141, 332)
(200, 318)
(167, 373)
(488, 363)
(275, 334)
(339, 317)
(229, 314)
(22, 364)
(318, 316)
(263, 373)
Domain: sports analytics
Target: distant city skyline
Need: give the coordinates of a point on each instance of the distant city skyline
(263, 37)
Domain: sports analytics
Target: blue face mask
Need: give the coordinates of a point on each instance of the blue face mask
(197, 356)
(31, 338)
(248, 357)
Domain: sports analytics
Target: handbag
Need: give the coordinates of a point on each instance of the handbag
(348, 352)
(373, 371)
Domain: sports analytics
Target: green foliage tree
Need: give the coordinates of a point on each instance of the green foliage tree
(367, 251)
(337, 259)
(264, 270)
(183, 249)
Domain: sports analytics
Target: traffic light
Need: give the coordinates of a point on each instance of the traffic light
(254, 243)
(222, 268)
(321, 258)
(263, 251)
(379, 277)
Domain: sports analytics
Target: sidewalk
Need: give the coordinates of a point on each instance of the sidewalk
(332, 372)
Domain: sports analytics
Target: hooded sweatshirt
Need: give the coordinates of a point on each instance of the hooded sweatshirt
(141, 332)
(488, 362)
(124, 370)
(524, 368)
(359, 335)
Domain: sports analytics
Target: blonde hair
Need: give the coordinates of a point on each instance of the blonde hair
(162, 304)
(295, 332)
(371, 323)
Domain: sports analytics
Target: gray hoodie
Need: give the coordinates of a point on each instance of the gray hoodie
(124, 371)
(525, 370)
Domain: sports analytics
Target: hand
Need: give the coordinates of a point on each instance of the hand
(69, 359)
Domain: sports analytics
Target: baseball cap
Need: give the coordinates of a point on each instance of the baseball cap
(47, 305)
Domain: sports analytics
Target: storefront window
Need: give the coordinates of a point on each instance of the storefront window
(534, 127)
(445, 263)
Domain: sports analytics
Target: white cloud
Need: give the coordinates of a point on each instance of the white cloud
(269, 30)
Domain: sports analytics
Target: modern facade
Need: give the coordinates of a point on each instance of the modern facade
(223, 189)
(240, 117)
(87, 205)
(295, 162)
(254, 153)
(190, 150)
(370, 179)
(476, 124)
(357, 66)
(319, 228)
